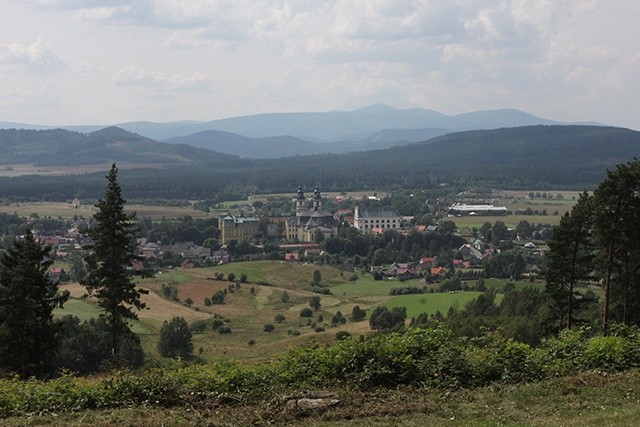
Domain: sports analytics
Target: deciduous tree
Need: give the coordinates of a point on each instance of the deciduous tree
(175, 338)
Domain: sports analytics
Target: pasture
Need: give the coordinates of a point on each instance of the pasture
(11, 170)
(249, 306)
(430, 303)
(86, 210)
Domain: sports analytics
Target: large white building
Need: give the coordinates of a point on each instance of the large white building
(464, 209)
(369, 219)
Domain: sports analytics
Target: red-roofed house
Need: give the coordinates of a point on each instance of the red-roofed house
(438, 272)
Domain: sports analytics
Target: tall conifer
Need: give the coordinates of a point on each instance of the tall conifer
(28, 335)
(112, 252)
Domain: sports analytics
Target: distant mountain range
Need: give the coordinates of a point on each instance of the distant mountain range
(287, 134)
(531, 157)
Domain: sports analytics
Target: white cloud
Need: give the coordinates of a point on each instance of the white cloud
(38, 56)
(136, 76)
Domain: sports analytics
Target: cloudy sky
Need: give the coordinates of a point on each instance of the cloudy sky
(102, 62)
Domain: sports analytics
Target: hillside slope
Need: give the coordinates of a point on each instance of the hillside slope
(554, 154)
(62, 147)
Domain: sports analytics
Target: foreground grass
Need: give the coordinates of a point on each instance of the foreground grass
(579, 400)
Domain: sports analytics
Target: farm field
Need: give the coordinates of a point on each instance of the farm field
(430, 303)
(517, 200)
(31, 169)
(249, 306)
(67, 211)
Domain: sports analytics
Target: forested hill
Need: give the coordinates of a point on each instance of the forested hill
(112, 144)
(523, 156)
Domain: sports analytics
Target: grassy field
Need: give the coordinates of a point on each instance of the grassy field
(31, 169)
(249, 306)
(430, 303)
(67, 211)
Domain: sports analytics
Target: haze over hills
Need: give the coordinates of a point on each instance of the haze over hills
(288, 134)
(324, 126)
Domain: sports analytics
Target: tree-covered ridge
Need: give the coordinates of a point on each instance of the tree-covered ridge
(558, 155)
(62, 147)
(526, 157)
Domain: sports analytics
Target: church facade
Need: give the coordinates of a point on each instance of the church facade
(310, 223)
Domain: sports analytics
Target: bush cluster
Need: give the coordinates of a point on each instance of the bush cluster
(418, 357)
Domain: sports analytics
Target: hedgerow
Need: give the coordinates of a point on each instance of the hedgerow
(419, 357)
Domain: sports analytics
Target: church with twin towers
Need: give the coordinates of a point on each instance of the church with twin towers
(310, 223)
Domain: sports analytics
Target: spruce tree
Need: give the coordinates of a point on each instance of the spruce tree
(111, 252)
(28, 335)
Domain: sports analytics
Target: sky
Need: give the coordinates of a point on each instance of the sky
(73, 62)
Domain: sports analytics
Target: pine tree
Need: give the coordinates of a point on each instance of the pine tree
(570, 259)
(616, 219)
(112, 251)
(28, 335)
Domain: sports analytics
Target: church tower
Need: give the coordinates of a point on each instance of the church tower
(299, 202)
(317, 199)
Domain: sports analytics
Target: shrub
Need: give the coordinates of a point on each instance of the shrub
(357, 314)
(384, 319)
(218, 298)
(170, 292)
(338, 319)
(306, 312)
(279, 318)
(231, 277)
(315, 303)
(318, 329)
(565, 352)
(284, 297)
(223, 329)
(198, 326)
(518, 362)
(607, 353)
(268, 327)
(342, 335)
